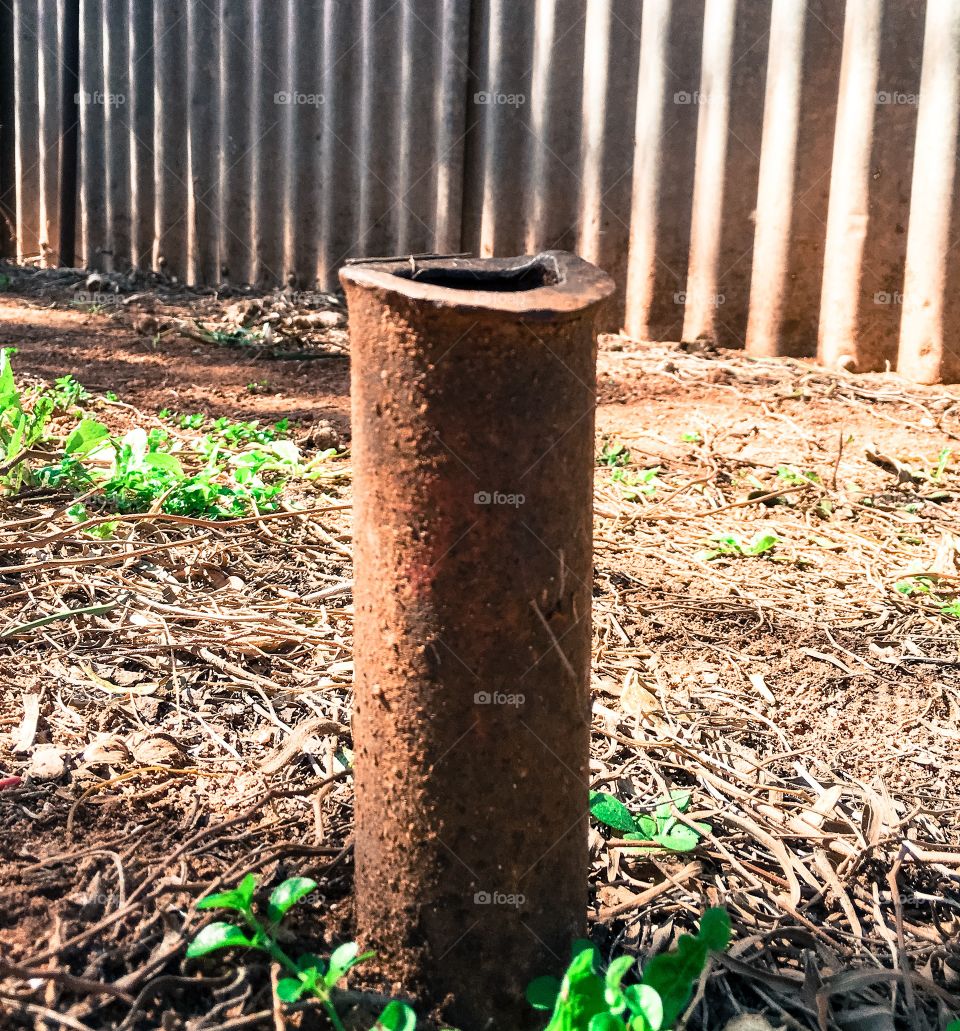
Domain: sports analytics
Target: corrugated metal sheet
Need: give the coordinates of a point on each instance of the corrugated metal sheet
(743, 167)
(264, 141)
(44, 36)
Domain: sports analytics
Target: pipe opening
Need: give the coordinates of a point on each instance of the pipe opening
(531, 276)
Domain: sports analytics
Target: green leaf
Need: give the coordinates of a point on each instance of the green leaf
(9, 395)
(954, 1025)
(342, 959)
(646, 828)
(87, 434)
(715, 929)
(606, 1022)
(679, 799)
(611, 811)
(398, 1016)
(762, 543)
(673, 974)
(239, 898)
(617, 970)
(681, 838)
(289, 989)
(542, 992)
(288, 894)
(164, 462)
(646, 1006)
(581, 994)
(218, 936)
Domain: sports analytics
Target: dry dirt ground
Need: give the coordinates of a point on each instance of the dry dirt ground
(198, 726)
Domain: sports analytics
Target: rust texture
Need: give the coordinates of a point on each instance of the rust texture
(473, 392)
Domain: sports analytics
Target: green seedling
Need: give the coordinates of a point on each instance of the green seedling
(796, 477)
(662, 827)
(952, 609)
(936, 473)
(692, 437)
(634, 485)
(731, 546)
(68, 393)
(590, 1000)
(614, 455)
(914, 585)
(307, 975)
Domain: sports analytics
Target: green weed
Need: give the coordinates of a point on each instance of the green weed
(614, 455)
(233, 469)
(307, 974)
(731, 546)
(590, 1000)
(662, 827)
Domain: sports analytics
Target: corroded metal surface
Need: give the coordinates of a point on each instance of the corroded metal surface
(473, 400)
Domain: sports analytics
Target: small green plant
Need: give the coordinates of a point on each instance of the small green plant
(589, 1000)
(645, 482)
(308, 974)
(67, 393)
(914, 585)
(936, 473)
(614, 455)
(951, 609)
(796, 477)
(662, 827)
(692, 437)
(731, 546)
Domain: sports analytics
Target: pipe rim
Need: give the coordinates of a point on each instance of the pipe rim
(569, 284)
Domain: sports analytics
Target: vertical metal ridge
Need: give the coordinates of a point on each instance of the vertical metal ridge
(593, 116)
(451, 124)
(94, 225)
(648, 158)
(140, 115)
(116, 137)
(8, 177)
(927, 352)
(27, 102)
(539, 125)
(201, 215)
(171, 170)
(839, 338)
(49, 25)
(775, 196)
(702, 292)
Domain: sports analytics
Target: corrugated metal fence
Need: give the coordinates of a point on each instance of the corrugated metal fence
(745, 168)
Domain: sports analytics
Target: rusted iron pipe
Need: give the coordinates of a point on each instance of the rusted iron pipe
(473, 392)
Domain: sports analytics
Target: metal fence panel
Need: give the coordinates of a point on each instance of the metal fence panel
(264, 141)
(744, 168)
